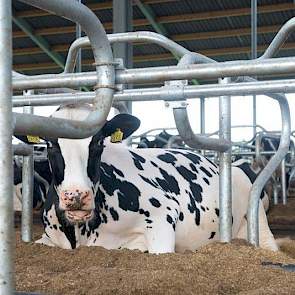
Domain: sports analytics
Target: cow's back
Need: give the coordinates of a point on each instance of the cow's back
(168, 187)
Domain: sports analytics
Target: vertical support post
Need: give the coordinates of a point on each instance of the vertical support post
(6, 183)
(275, 194)
(27, 192)
(254, 52)
(283, 182)
(79, 58)
(122, 22)
(225, 187)
(202, 117)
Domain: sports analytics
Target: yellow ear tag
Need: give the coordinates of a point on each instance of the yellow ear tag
(117, 136)
(33, 139)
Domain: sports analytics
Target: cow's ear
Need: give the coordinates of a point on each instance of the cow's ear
(28, 139)
(120, 127)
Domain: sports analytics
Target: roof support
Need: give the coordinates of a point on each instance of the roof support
(38, 40)
(122, 22)
(159, 28)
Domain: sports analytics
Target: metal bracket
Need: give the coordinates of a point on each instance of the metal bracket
(175, 87)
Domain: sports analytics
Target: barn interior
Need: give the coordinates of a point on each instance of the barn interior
(223, 31)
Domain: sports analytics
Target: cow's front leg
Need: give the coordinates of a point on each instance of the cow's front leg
(160, 238)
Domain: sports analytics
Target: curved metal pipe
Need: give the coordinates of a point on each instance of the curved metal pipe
(279, 39)
(182, 121)
(105, 75)
(193, 140)
(252, 214)
(140, 36)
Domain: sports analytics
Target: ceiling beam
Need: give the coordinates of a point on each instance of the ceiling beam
(159, 57)
(38, 40)
(171, 19)
(92, 6)
(178, 38)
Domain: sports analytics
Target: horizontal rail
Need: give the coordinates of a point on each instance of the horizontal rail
(158, 74)
(162, 93)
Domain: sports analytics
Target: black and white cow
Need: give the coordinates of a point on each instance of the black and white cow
(160, 141)
(42, 180)
(155, 200)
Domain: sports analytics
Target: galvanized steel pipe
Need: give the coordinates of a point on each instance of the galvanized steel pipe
(225, 183)
(6, 180)
(182, 121)
(158, 74)
(22, 149)
(104, 77)
(27, 189)
(284, 182)
(190, 91)
(252, 215)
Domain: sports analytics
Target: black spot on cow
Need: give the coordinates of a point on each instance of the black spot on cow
(154, 164)
(175, 200)
(149, 181)
(193, 167)
(206, 171)
(217, 212)
(212, 170)
(55, 226)
(137, 160)
(149, 226)
(167, 158)
(155, 202)
(206, 180)
(245, 167)
(211, 163)
(128, 193)
(170, 220)
(212, 235)
(168, 208)
(145, 213)
(186, 174)
(114, 214)
(192, 157)
(196, 190)
(181, 216)
(104, 218)
(203, 208)
(192, 207)
(148, 221)
(168, 183)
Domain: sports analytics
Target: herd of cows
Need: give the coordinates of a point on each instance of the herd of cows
(97, 193)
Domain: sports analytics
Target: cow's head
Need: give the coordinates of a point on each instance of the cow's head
(75, 163)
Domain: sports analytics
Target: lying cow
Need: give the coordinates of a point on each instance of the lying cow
(155, 200)
(160, 141)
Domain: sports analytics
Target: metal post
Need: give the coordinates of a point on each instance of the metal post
(78, 35)
(225, 192)
(275, 194)
(283, 182)
(254, 52)
(27, 192)
(122, 22)
(6, 183)
(202, 117)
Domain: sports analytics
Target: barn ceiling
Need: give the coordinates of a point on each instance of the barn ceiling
(219, 29)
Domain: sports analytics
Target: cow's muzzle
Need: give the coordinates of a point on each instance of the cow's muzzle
(79, 216)
(77, 204)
